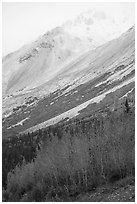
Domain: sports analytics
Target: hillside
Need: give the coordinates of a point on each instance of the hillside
(99, 78)
(41, 60)
(68, 113)
(76, 160)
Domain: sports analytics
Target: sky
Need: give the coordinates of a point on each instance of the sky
(24, 22)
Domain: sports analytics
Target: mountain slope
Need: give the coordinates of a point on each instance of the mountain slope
(98, 79)
(39, 61)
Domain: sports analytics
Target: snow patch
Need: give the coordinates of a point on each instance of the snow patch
(19, 123)
(75, 111)
(118, 75)
(127, 93)
(51, 103)
(7, 115)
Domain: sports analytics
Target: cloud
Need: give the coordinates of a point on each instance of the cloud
(99, 15)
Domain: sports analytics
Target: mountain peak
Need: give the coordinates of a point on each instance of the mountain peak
(58, 47)
(98, 25)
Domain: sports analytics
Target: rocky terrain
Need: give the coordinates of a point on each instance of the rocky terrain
(87, 83)
(121, 191)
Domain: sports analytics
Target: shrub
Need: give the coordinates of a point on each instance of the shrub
(78, 162)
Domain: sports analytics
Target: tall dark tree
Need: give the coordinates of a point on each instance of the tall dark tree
(127, 108)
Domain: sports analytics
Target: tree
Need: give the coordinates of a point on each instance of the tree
(127, 108)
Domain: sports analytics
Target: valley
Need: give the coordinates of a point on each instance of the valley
(68, 114)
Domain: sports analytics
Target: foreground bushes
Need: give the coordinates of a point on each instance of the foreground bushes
(78, 162)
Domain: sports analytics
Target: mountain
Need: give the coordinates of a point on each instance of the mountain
(83, 68)
(98, 26)
(40, 61)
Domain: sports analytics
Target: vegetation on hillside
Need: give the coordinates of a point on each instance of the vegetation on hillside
(67, 159)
